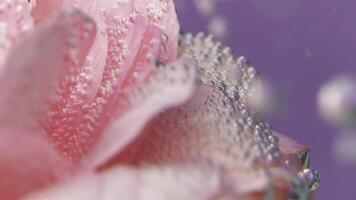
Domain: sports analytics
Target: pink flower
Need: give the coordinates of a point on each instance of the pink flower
(98, 101)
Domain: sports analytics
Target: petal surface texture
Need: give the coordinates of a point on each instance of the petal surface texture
(161, 183)
(131, 36)
(15, 21)
(166, 88)
(31, 83)
(28, 164)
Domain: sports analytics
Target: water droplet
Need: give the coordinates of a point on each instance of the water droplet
(311, 177)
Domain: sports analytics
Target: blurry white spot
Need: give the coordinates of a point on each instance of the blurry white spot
(337, 101)
(263, 98)
(344, 149)
(205, 7)
(218, 26)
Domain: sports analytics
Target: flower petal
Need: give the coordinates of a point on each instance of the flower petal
(128, 41)
(215, 128)
(28, 163)
(47, 9)
(119, 54)
(174, 182)
(209, 131)
(15, 21)
(162, 13)
(170, 87)
(156, 183)
(206, 128)
(32, 77)
(296, 155)
(155, 12)
(145, 61)
(83, 128)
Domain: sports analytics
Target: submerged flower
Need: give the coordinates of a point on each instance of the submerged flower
(105, 100)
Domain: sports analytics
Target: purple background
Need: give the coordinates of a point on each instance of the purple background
(298, 45)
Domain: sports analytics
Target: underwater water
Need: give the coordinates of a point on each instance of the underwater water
(298, 46)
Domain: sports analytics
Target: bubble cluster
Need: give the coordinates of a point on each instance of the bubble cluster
(68, 102)
(18, 12)
(220, 117)
(82, 109)
(215, 126)
(216, 63)
(78, 120)
(167, 77)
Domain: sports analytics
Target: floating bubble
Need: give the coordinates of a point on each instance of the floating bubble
(344, 148)
(205, 7)
(337, 101)
(218, 26)
(263, 98)
(311, 177)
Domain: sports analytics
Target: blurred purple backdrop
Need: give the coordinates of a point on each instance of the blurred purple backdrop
(298, 45)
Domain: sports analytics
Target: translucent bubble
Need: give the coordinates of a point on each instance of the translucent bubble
(311, 177)
(344, 148)
(205, 7)
(337, 101)
(263, 98)
(218, 26)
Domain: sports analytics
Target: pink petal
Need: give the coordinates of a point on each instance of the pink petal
(119, 54)
(162, 14)
(33, 76)
(46, 9)
(160, 183)
(83, 127)
(170, 87)
(129, 40)
(173, 182)
(15, 21)
(155, 12)
(27, 164)
(288, 145)
(295, 154)
(95, 60)
(145, 61)
(207, 130)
